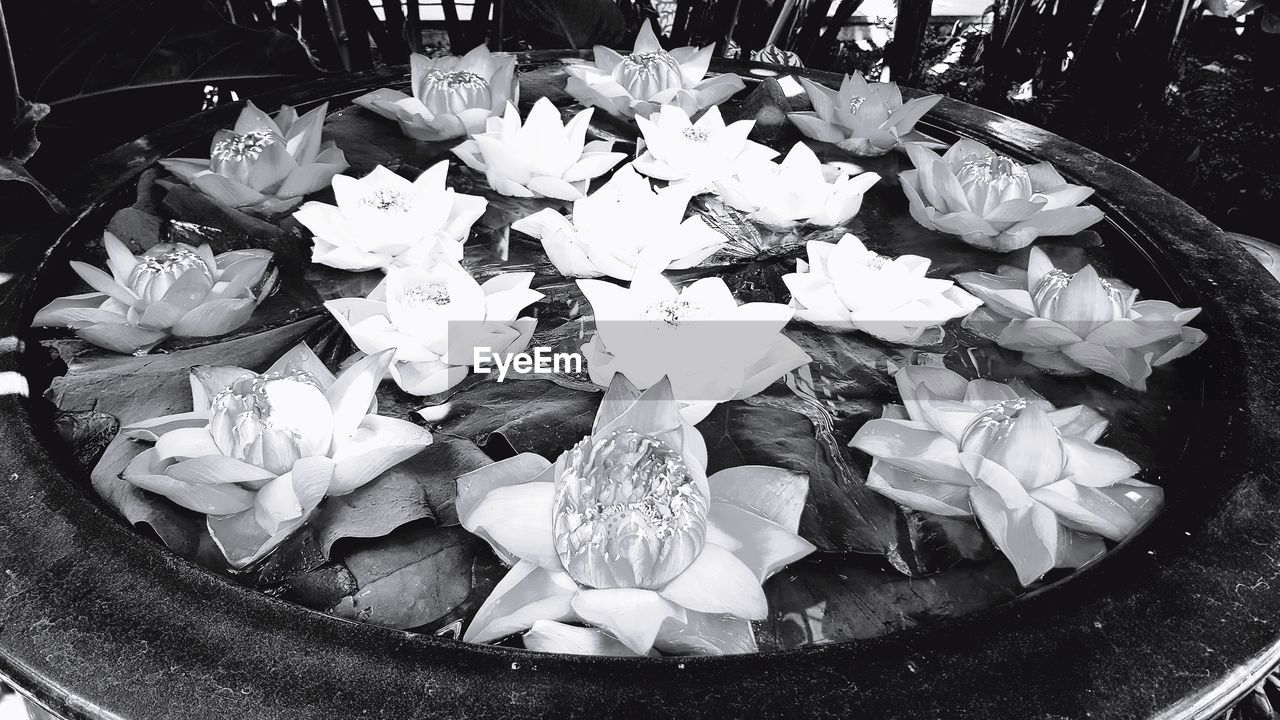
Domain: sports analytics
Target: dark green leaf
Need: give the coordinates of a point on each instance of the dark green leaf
(574, 24)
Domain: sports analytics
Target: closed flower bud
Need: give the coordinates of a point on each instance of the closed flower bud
(272, 420)
(646, 74)
(628, 513)
(162, 265)
(452, 92)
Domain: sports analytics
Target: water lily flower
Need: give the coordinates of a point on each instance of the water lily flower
(264, 165)
(258, 452)
(638, 84)
(695, 154)
(862, 118)
(542, 157)
(1042, 488)
(846, 287)
(433, 318)
(173, 289)
(452, 96)
(1073, 323)
(707, 346)
(623, 228)
(626, 534)
(799, 189)
(383, 220)
(991, 201)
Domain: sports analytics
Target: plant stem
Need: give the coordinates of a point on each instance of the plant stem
(10, 94)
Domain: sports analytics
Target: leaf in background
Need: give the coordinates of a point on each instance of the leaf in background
(526, 415)
(11, 170)
(411, 577)
(840, 514)
(839, 599)
(572, 24)
(170, 42)
(87, 434)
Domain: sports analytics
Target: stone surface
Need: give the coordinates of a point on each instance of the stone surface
(98, 622)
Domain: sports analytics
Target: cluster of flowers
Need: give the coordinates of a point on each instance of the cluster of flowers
(624, 545)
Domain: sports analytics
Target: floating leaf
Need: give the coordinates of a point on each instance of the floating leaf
(521, 416)
(411, 577)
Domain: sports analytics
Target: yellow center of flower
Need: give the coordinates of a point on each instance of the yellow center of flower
(855, 102)
(243, 147)
(670, 312)
(628, 513)
(697, 135)
(162, 265)
(453, 92)
(272, 419)
(387, 200)
(427, 294)
(648, 73)
(1046, 293)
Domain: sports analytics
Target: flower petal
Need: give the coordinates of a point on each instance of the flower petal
(555, 637)
(517, 522)
(526, 595)
(1028, 536)
(213, 469)
(353, 392)
(378, 444)
(706, 634)
(631, 615)
(772, 493)
(1094, 465)
(718, 582)
(913, 447)
(919, 493)
(764, 546)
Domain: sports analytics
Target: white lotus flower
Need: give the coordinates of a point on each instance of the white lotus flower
(452, 96)
(383, 219)
(862, 118)
(434, 318)
(650, 77)
(1042, 489)
(627, 534)
(799, 189)
(711, 348)
(623, 228)
(542, 157)
(846, 287)
(264, 165)
(258, 452)
(171, 289)
(991, 201)
(695, 154)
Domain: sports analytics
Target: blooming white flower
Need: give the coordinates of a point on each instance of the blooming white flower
(862, 118)
(695, 154)
(452, 96)
(264, 165)
(171, 289)
(710, 348)
(991, 201)
(650, 77)
(799, 189)
(623, 228)
(383, 219)
(1032, 473)
(434, 318)
(542, 157)
(625, 532)
(258, 452)
(847, 287)
(1074, 323)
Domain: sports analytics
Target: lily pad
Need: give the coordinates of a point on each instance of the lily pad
(411, 577)
(517, 416)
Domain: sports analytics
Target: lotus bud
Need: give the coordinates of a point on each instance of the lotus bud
(452, 92)
(162, 265)
(628, 512)
(1020, 437)
(1046, 293)
(257, 159)
(990, 179)
(648, 73)
(272, 420)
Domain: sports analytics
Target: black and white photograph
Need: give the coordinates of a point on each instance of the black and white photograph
(679, 359)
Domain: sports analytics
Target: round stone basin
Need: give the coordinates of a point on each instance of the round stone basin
(117, 606)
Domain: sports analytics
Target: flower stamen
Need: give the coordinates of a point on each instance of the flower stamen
(243, 147)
